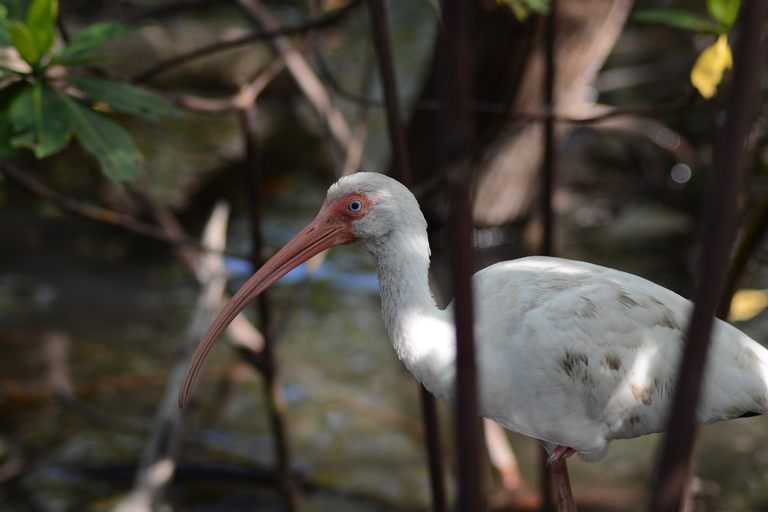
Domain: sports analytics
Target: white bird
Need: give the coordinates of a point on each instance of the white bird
(572, 354)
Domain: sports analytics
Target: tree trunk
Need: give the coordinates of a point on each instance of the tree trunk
(508, 59)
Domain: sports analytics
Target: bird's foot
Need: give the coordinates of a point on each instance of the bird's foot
(560, 453)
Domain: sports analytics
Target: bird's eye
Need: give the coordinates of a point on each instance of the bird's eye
(355, 206)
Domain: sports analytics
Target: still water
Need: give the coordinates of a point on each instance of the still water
(100, 312)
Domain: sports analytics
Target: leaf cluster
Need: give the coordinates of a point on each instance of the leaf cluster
(522, 9)
(708, 70)
(722, 16)
(42, 110)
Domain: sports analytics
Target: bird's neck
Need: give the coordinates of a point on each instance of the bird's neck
(422, 334)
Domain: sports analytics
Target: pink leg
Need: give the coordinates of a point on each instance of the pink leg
(565, 501)
(560, 453)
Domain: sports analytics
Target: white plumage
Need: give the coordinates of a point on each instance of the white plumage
(572, 354)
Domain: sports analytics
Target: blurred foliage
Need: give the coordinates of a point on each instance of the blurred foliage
(747, 304)
(43, 106)
(708, 70)
(522, 9)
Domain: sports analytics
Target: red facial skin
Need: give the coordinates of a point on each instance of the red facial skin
(331, 227)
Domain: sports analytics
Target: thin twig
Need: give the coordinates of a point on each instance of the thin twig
(104, 215)
(324, 21)
(485, 107)
(244, 98)
(334, 124)
(97, 416)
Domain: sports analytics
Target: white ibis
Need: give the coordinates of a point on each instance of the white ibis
(572, 354)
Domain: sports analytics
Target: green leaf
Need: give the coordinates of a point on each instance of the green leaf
(6, 132)
(41, 19)
(523, 8)
(41, 121)
(678, 18)
(126, 97)
(119, 158)
(5, 27)
(88, 39)
(539, 6)
(724, 12)
(23, 40)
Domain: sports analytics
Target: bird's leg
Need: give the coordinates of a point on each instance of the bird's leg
(565, 501)
(560, 453)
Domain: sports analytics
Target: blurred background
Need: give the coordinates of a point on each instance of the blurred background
(98, 294)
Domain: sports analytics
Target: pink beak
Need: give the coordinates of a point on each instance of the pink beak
(327, 230)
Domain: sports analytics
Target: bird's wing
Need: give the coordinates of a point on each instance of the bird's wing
(599, 350)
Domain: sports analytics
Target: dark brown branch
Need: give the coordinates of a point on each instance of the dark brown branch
(753, 233)
(270, 366)
(160, 11)
(547, 245)
(548, 169)
(456, 164)
(386, 68)
(719, 233)
(435, 458)
(402, 171)
(324, 21)
(103, 215)
(354, 156)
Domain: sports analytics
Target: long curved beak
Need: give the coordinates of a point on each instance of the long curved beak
(322, 233)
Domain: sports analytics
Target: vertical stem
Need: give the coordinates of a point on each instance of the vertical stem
(272, 382)
(752, 235)
(434, 451)
(547, 185)
(400, 164)
(719, 232)
(546, 482)
(457, 167)
(386, 68)
(548, 170)
(469, 427)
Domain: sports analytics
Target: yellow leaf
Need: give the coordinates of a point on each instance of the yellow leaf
(708, 69)
(747, 304)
